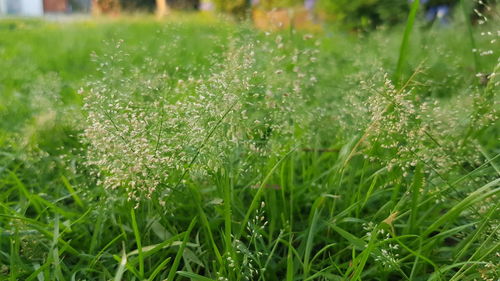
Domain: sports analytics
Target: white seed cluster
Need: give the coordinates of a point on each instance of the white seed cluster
(249, 253)
(405, 128)
(144, 128)
(387, 255)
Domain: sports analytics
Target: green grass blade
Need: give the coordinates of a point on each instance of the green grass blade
(405, 44)
(205, 223)
(193, 276)
(121, 267)
(416, 186)
(180, 252)
(54, 251)
(137, 236)
(96, 233)
(289, 261)
(487, 245)
(158, 269)
(466, 12)
(467, 243)
(38, 271)
(358, 243)
(260, 190)
(101, 252)
(228, 217)
(72, 191)
(32, 198)
(476, 196)
(359, 262)
(309, 242)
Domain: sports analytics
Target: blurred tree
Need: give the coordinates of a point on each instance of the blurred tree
(161, 8)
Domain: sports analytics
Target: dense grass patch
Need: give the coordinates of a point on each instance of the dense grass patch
(205, 150)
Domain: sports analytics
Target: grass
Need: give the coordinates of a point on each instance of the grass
(403, 52)
(327, 171)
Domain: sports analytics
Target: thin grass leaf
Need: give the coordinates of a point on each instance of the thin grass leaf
(476, 196)
(137, 236)
(193, 276)
(309, 242)
(358, 243)
(405, 44)
(72, 191)
(260, 190)
(121, 267)
(158, 269)
(180, 252)
(416, 186)
(289, 261)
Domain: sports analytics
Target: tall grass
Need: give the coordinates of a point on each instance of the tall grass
(140, 153)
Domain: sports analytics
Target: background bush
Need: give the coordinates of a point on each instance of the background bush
(364, 13)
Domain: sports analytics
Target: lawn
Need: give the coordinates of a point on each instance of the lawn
(203, 149)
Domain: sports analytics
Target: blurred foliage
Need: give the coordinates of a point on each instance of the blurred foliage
(134, 5)
(364, 13)
(236, 7)
(357, 14)
(184, 4)
(270, 4)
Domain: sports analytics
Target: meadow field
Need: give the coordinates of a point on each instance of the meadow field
(203, 149)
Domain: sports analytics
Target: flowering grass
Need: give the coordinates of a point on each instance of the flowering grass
(207, 150)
